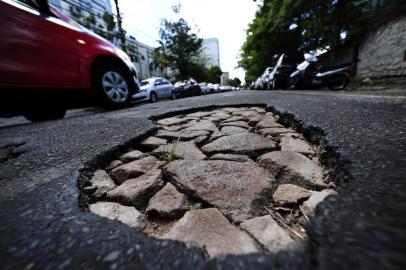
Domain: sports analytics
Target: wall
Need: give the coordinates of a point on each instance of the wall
(383, 52)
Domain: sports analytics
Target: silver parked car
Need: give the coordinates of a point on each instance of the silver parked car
(154, 89)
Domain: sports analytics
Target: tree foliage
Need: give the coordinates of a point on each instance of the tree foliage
(236, 82)
(292, 27)
(179, 48)
(214, 74)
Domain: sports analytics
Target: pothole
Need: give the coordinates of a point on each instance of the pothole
(228, 180)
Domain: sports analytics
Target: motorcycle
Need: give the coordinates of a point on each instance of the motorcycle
(310, 74)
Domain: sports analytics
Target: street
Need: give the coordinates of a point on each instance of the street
(43, 226)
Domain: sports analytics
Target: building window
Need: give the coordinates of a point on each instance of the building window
(134, 58)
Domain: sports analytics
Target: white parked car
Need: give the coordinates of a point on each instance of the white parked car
(205, 88)
(154, 89)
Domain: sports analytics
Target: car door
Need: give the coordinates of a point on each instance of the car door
(167, 88)
(36, 48)
(159, 88)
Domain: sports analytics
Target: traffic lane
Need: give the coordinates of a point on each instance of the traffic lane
(368, 211)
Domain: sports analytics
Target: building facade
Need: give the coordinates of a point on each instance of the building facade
(92, 14)
(211, 52)
(141, 56)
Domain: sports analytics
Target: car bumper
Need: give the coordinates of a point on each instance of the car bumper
(141, 95)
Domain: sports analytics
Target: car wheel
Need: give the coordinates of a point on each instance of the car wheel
(37, 115)
(113, 87)
(153, 97)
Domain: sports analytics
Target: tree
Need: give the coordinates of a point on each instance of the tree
(292, 27)
(160, 60)
(179, 47)
(236, 82)
(214, 74)
(109, 20)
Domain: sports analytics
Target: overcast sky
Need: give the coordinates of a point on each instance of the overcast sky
(226, 20)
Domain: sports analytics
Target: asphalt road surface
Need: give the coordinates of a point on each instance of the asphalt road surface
(42, 227)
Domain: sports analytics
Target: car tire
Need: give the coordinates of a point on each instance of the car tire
(113, 87)
(50, 113)
(153, 98)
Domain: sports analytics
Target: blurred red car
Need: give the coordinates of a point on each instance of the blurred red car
(49, 63)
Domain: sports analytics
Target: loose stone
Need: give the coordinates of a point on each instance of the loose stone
(275, 131)
(153, 142)
(296, 145)
(246, 114)
(221, 115)
(133, 155)
(102, 182)
(293, 168)
(182, 150)
(231, 130)
(217, 135)
(181, 135)
(249, 144)
(267, 122)
(242, 124)
(268, 233)
(230, 186)
(202, 125)
(212, 119)
(234, 119)
(137, 191)
(113, 164)
(200, 114)
(287, 194)
(200, 140)
(209, 229)
(255, 120)
(231, 157)
(231, 109)
(309, 206)
(259, 110)
(172, 121)
(168, 203)
(135, 168)
(114, 211)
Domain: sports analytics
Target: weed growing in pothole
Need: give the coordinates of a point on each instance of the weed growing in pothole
(169, 155)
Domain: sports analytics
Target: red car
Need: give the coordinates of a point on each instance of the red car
(49, 63)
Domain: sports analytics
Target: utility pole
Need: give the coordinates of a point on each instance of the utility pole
(120, 26)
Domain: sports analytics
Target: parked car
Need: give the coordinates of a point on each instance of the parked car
(154, 89)
(186, 88)
(280, 76)
(212, 88)
(205, 88)
(49, 63)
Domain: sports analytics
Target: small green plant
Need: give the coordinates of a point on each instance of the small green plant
(169, 155)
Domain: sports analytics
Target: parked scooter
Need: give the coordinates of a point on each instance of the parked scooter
(309, 74)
